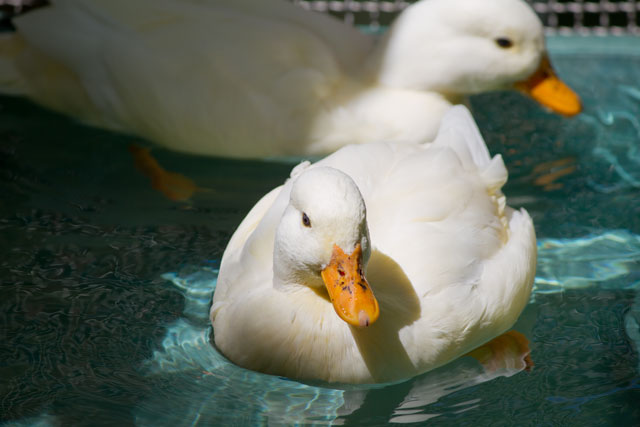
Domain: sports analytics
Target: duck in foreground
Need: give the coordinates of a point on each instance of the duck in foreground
(377, 263)
(248, 78)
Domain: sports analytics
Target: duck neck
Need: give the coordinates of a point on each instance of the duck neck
(415, 55)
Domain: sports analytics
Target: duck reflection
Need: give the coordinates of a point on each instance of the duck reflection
(196, 385)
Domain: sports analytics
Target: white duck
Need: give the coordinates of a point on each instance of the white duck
(249, 78)
(450, 265)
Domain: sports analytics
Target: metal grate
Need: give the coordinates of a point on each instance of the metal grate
(18, 6)
(601, 17)
(10, 8)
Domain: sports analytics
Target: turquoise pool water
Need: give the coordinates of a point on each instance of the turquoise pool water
(105, 284)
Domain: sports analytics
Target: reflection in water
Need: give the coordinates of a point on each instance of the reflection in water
(546, 174)
(197, 383)
(503, 356)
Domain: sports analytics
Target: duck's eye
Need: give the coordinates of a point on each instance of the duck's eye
(504, 42)
(305, 220)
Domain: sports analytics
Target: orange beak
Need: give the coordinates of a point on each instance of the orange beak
(545, 87)
(349, 291)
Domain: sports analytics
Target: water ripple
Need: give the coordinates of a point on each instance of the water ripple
(196, 385)
(208, 388)
(609, 260)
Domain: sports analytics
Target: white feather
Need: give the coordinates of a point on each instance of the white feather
(451, 265)
(253, 78)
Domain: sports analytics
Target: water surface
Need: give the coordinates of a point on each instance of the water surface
(105, 283)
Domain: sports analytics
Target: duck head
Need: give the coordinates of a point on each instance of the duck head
(462, 47)
(322, 242)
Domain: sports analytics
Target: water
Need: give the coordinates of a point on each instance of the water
(105, 283)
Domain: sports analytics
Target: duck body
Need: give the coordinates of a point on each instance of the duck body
(450, 264)
(262, 78)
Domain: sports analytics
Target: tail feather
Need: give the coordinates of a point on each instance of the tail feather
(459, 131)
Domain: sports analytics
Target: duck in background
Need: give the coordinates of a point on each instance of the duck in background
(248, 78)
(448, 264)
